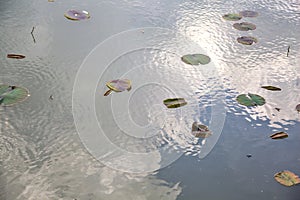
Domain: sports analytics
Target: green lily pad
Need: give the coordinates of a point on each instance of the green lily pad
(287, 178)
(200, 130)
(247, 40)
(250, 100)
(10, 95)
(195, 59)
(232, 17)
(273, 88)
(175, 102)
(248, 13)
(118, 85)
(244, 26)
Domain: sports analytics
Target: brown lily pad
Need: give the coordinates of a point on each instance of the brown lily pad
(287, 178)
(273, 88)
(175, 102)
(247, 40)
(244, 26)
(15, 56)
(279, 135)
(200, 130)
(298, 107)
(248, 13)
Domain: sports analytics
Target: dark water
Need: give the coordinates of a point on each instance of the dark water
(41, 153)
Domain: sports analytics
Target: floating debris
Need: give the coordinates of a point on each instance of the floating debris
(273, 88)
(200, 130)
(32, 34)
(288, 51)
(298, 107)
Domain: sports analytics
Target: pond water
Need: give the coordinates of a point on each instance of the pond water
(53, 149)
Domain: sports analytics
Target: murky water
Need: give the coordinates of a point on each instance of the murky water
(41, 153)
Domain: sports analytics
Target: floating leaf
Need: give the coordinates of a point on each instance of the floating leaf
(244, 26)
(271, 88)
(195, 59)
(118, 85)
(248, 13)
(15, 56)
(279, 135)
(175, 102)
(77, 14)
(10, 95)
(298, 107)
(200, 130)
(247, 40)
(287, 178)
(232, 17)
(250, 100)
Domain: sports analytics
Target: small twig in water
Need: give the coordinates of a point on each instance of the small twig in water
(32, 34)
(288, 51)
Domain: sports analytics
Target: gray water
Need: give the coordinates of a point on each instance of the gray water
(42, 155)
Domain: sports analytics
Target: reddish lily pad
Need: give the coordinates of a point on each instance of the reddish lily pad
(232, 17)
(118, 85)
(272, 88)
(287, 178)
(175, 102)
(279, 135)
(244, 26)
(77, 14)
(248, 13)
(15, 56)
(200, 130)
(195, 59)
(247, 40)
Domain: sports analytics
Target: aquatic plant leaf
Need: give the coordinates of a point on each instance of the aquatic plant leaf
(279, 135)
(273, 88)
(244, 26)
(175, 102)
(247, 40)
(195, 59)
(287, 178)
(232, 17)
(298, 107)
(15, 56)
(10, 95)
(250, 100)
(248, 13)
(200, 130)
(77, 14)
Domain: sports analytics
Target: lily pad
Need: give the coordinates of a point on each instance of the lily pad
(10, 95)
(298, 107)
(248, 13)
(77, 14)
(200, 130)
(273, 88)
(15, 56)
(287, 178)
(244, 26)
(118, 85)
(247, 40)
(279, 135)
(175, 102)
(232, 17)
(250, 100)
(195, 59)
